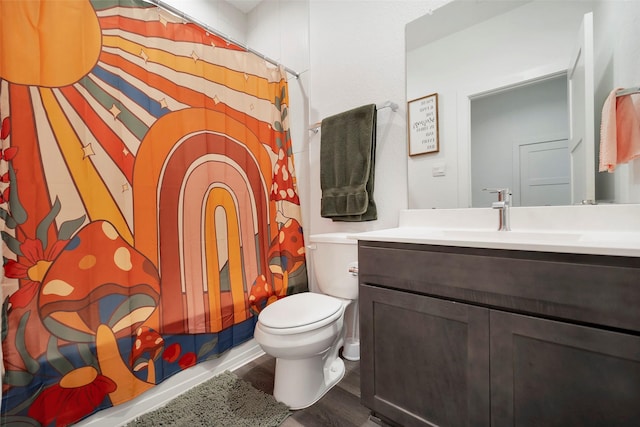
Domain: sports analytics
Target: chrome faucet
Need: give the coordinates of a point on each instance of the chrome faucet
(503, 203)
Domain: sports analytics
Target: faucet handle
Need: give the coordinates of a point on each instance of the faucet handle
(503, 193)
(504, 200)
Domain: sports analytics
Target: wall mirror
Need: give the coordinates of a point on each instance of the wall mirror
(507, 75)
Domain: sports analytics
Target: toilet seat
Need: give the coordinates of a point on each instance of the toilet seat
(300, 313)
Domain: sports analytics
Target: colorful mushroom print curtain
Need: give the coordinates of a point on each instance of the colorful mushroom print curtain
(147, 201)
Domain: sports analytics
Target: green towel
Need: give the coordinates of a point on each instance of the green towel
(347, 154)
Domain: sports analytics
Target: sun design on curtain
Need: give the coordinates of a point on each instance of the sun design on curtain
(147, 200)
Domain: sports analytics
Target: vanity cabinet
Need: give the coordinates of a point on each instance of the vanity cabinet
(454, 336)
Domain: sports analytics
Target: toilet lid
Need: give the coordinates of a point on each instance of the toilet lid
(299, 310)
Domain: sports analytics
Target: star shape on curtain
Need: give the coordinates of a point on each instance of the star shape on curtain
(115, 111)
(88, 151)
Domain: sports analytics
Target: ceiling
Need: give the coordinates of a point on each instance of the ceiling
(244, 6)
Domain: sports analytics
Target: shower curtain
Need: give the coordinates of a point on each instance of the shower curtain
(148, 202)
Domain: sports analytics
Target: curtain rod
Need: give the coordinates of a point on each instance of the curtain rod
(388, 104)
(186, 17)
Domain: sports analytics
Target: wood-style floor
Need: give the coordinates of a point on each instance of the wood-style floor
(340, 407)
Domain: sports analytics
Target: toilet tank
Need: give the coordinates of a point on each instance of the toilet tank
(333, 255)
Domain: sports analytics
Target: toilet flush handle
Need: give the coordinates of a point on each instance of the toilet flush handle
(353, 269)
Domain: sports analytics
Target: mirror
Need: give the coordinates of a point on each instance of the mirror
(469, 52)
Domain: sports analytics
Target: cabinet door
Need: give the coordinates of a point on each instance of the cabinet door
(548, 373)
(424, 360)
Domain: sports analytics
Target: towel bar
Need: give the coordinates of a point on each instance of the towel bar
(394, 107)
(628, 91)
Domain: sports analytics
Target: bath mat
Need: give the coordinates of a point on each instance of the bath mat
(225, 401)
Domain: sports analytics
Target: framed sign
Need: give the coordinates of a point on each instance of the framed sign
(423, 125)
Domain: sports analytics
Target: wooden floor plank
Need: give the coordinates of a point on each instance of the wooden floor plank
(259, 373)
(351, 380)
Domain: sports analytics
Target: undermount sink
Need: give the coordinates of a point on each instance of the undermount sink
(510, 236)
(540, 237)
(461, 235)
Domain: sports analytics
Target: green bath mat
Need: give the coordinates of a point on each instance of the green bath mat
(225, 401)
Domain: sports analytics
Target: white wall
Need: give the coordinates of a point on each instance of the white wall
(348, 54)
(496, 52)
(357, 57)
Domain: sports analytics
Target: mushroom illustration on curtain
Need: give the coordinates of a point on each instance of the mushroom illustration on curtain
(148, 202)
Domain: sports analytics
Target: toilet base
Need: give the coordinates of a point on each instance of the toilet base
(299, 383)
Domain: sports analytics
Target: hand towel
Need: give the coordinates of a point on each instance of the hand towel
(347, 164)
(619, 130)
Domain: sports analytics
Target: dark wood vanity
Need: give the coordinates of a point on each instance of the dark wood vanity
(457, 336)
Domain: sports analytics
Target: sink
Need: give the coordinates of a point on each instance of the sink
(460, 235)
(511, 236)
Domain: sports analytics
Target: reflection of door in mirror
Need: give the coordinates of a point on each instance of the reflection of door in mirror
(543, 173)
(519, 140)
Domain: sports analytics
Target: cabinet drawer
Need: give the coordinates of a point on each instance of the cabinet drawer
(590, 289)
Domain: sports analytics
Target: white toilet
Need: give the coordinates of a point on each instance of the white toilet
(305, 331)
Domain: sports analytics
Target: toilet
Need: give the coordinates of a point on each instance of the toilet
(306, 331)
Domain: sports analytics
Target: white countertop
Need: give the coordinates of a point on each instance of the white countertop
(599, 230)
(598, 243)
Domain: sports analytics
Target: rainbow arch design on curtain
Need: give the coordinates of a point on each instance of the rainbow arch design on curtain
(148, 203)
